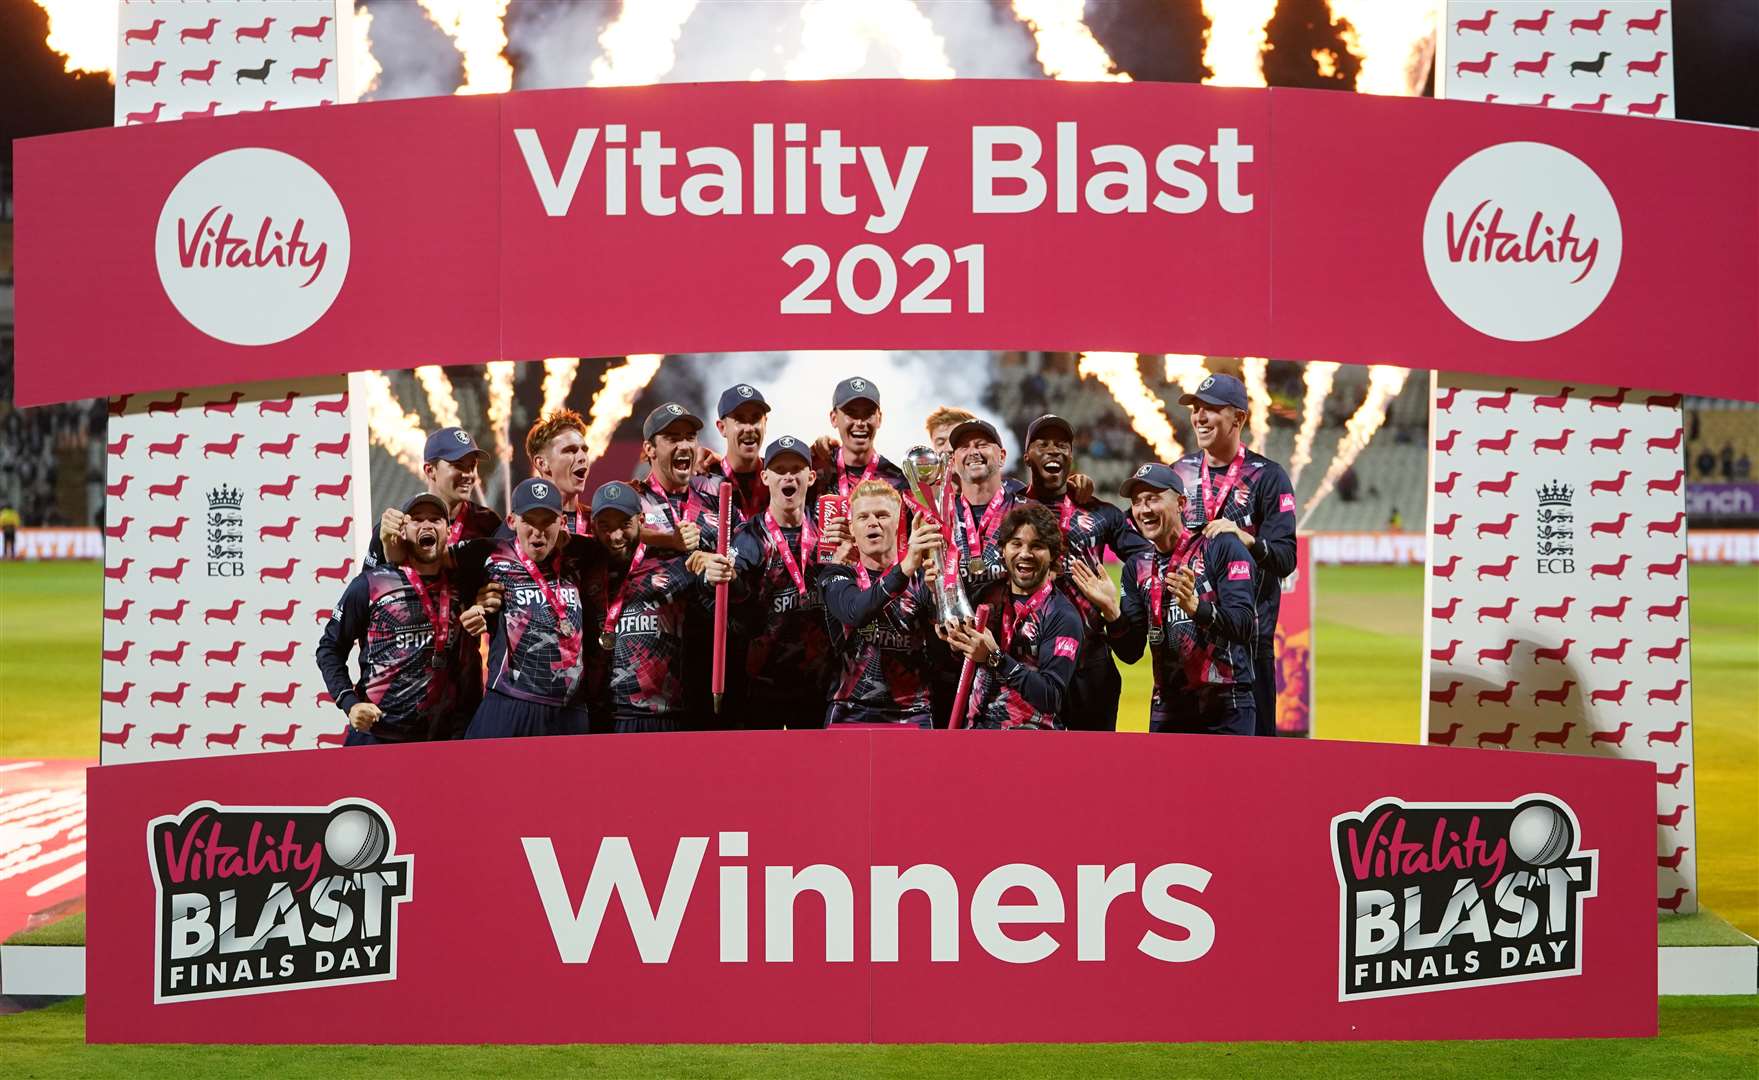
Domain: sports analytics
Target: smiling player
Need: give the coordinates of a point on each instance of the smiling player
(744, 417)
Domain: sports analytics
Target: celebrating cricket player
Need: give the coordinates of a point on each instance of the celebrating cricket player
(1248, 496)
(856, 416)
(556, 446)
(744, 418)
(1027, 650)
(451, 468)
(1189, 598)
(404, 621)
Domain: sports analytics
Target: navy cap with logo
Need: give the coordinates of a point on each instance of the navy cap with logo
(1223, 390)
(616, 495)
(450, 444)
(536, 494)
(667, 415)
(735, 396)
(1155, 477)
(856, 389)
(1047, 425)
(428, 497)
(967, 430)
(784, 446)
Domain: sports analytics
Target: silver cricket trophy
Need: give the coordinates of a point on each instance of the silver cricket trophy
(923, 468)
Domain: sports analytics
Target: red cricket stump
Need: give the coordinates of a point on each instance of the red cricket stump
(719, 678)
(967, 674)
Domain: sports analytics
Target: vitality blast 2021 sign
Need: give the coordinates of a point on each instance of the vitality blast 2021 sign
(725, 887)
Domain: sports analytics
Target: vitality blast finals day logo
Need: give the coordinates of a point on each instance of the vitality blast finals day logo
(253, 900)
(1434, 896)
(252, 246)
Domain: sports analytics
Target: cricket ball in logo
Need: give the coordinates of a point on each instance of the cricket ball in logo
(1522, 241)
(1435, 896)
(260, 899)
(252, 246)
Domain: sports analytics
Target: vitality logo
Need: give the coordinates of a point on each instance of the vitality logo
(253, 900)
(1434, 896)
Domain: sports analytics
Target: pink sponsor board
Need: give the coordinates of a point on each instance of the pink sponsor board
(355, 897)
(1044, 214)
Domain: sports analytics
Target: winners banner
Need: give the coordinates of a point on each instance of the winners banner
(730, 888)
(895, 214)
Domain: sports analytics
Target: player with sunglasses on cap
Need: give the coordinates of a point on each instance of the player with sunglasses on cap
(1248, 496)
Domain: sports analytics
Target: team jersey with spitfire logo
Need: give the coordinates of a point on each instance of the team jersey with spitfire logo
(787, 642)
(382, 612)
(969, 521)
(1027, 687)
(648, 657)
(1262, 502)
(1212, 648)
(531, 656)
(1087, 532)
(881, 635)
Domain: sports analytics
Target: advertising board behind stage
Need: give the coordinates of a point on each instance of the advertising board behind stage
(766, 887)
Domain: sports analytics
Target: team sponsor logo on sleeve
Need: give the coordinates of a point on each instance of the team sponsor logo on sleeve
(1065, 647)
(1435, 896)
(260, 899)
(1286, 504)
(1240, 570)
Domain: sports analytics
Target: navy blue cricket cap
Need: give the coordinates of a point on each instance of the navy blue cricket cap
(536, 494)
(450, 444)
(616, 495)
(784, 446)
(665, 416)
(1155, 477)
(417, 499)
(856, 389)
(734, 396)
(1224, 390)
(1048, 423)
(967, 429)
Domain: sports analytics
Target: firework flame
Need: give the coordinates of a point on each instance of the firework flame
(559, 372)
(84, 33)
(1384, 384)
(1319, 376)
(1254, 368)
(835, 36)
(641, 44)
(442, 402)
(615, 400)
(1066, 47)
(478, 30)
(1233, 49)
(1186, 370)
(397, 431)
(1122, 375)
(1395, 42)
(499, 376)
(364, 66)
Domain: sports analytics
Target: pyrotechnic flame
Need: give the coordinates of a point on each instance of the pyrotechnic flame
(365, 68)
(1384, 384)
(397, 431)
(499, 376)
(1319, 375)
(442, 403)
(1066, 47)
(559, 372)
(1233, 49)
(1186, 370)
(1394, 41)
(1120, 373)
(641, 44)
(1253, 369)
(478, 29)
(835, 36)
(615, 400)
(84, 32)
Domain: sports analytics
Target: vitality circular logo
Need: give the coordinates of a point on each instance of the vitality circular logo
(252, 246)
(1522, 241)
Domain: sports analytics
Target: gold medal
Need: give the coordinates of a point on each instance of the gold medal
(607, 641)
(976, 567)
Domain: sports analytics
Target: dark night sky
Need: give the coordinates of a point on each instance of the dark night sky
(1716, 43)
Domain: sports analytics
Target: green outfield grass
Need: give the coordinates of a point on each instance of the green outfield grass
(1700, 1038)
(51, 641)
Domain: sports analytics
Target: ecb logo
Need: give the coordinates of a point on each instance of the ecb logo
(1555, 541)
(225, 532)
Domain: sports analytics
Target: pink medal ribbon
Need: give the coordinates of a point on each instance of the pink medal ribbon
(1229, 479)
(844, 484)
(1027, 608)
(438, 610)
(567, 634)
(456, 532)
(614, 606)
(977, 534)
(808, 538)
(1181, 556)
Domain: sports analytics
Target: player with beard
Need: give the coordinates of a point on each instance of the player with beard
(451, 469)
(404, 620)
(983, 499)
(776, 571)
(1026, 653)
(1189, 598)
(1247, 496)
(1088, 530)
(852, 457)
(884, 615)
(647, 596)
(538, 647)
(744, 417)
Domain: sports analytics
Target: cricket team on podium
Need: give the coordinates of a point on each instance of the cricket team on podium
(599, 607)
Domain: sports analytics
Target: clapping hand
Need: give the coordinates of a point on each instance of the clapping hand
(1184, 585)
(1097, 586)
